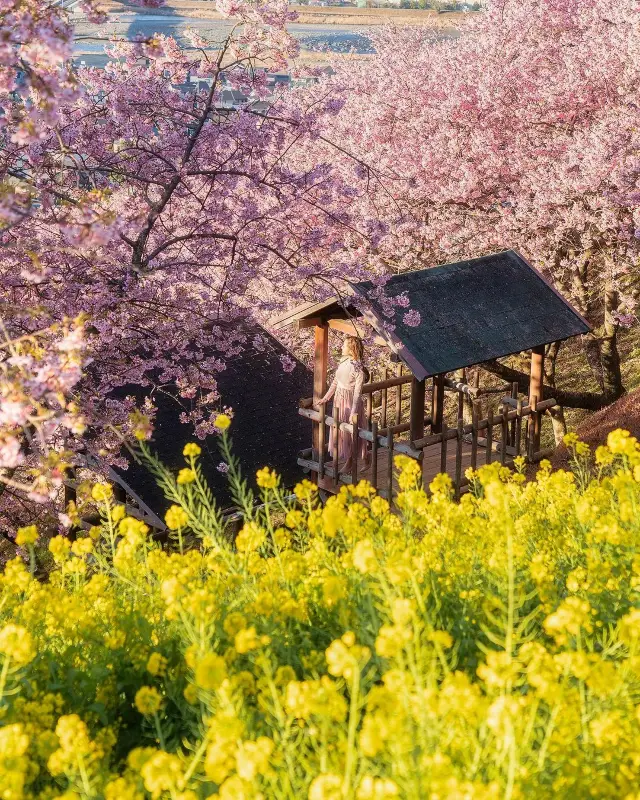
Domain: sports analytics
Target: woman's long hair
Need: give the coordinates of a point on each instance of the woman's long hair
(354, 348)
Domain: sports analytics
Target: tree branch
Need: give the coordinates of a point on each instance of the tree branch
(588, 400)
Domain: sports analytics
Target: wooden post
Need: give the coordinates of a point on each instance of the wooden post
(320, 363)
(437, 414)
(536, 392)
(514, 396)
(417, 410)
(70, 495)
(533, 402)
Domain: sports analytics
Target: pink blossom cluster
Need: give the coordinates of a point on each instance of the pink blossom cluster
(38, 376)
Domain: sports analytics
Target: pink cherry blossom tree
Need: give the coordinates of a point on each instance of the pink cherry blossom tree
(521, 132)
(163, 216)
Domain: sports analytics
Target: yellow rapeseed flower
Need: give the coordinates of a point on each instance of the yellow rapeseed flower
(305, 490)
(16, 644)
(176, 517)
(326, 787)
(186, 475)
(222, 422)
(191, 450)
(250, 538)
(27, 536)
(101, 492)
(210, 671)
(156, 664)
(266, 478)
(148, 700)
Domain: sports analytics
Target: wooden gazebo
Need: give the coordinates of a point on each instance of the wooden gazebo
(470, 312)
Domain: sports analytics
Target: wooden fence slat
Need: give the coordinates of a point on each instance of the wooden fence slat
(533, 427)
(504, 435)
(474, 436)
(390, 466)
(336, 434)
(489, 435)
(518, 432)
(443, 448)
(374, 455)
(399, 394)
(385, 391)
(355, 446)
(459, 456)
(514, 396)
(322, 429)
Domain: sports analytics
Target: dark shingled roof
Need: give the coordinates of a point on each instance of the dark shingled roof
(470, 312)
(477, 310)
(266, 431)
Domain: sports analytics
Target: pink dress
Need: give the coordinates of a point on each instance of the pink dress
(347, 387)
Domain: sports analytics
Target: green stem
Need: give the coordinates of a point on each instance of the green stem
(351, 735)
(156, 720)
(86, 785)
(195, 760)
(3, 677)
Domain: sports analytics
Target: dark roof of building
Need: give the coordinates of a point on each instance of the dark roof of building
(470, 312)
(266, 431)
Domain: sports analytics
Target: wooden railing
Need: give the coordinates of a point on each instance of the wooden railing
(514, 438)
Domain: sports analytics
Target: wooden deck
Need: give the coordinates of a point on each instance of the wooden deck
(431, 466)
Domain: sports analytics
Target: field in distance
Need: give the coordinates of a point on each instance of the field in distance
(314, 15)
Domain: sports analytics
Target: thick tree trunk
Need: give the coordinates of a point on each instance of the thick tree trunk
(609, 355)
(556, 413)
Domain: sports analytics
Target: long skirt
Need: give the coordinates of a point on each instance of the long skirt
(342, 401)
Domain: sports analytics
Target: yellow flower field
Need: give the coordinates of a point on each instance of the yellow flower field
(482, 649)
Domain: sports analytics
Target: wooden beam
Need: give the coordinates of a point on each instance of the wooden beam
(348, 326)
(312, 322)
(461, 386)
(417, 410)
(320, 364)
(536, 391)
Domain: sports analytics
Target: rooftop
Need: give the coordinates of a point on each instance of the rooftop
(470, 311)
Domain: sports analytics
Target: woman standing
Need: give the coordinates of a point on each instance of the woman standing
(348, 405)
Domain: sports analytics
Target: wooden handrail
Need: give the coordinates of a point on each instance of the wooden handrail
(400, 447)
(368, 388)
(376, 386)
(482, 425)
